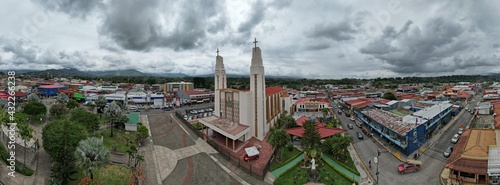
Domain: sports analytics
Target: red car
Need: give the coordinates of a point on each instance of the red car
(247, 158)
(410, 166)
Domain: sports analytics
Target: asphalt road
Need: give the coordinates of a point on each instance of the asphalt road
(433, 159)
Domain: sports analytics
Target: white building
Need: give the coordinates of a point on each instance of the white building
(178, 86)
(240, 115)
(140, 97)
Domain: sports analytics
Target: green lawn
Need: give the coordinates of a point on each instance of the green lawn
(349, 163)
(118, 139)
(109, 174)
(287, 155)
(103, 121)
(326, 174)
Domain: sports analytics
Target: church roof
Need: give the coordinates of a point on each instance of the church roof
(273, 90)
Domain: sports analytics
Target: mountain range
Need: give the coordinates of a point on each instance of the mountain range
(67, 72)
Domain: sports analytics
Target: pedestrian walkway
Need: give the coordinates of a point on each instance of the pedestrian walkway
(341, 169)
(276, 173)
(162, 161)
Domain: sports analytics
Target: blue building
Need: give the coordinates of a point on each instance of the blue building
(50, 90)
(407, 133)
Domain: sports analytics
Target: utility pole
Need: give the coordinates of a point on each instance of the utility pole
(376, 162)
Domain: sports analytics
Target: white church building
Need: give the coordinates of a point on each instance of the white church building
(240, 115)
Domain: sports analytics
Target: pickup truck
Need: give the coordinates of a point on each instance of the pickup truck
(409, 166)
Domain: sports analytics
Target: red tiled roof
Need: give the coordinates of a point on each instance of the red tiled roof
(302, 119)
(4, 95)
(285, 95)
(361, 105)
(51, 86)
(384, 101)
(463, 95)
(459, 163)
(20, 94)
(323, 132)
(273, 90)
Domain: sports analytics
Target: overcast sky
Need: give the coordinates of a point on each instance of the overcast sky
(313, 39)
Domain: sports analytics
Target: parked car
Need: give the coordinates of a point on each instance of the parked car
(409, 166)
(352, 118)
(448, 151)
(460, 131)
(360, 135)
(359, 124)
(349, 126)
(455, 138)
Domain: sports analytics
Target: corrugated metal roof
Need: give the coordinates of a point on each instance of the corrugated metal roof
(494, 161)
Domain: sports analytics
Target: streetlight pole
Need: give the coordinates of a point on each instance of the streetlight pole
(376, 162)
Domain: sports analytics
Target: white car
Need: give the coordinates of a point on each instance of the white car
(460, 131)
(455, 138)
(352, 118)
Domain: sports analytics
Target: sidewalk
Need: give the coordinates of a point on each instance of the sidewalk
(365, 178)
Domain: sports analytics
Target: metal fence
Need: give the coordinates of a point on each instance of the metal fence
(253, 170)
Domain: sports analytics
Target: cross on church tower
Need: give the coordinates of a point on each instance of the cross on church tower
(255, 42)
(217, 51)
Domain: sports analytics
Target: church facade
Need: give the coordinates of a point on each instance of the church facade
(242, 114)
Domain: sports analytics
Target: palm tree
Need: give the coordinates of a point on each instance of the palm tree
(278, 140)
(131, 153)
(90, 154)
(341, 142)
(139, 158)
(325, 112)
(113, 113)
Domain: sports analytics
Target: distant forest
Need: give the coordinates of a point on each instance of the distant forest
(243, 82)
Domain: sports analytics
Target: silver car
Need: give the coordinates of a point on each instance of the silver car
(455, 138)
(448, 151)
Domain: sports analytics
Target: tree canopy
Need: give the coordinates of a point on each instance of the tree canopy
(389, 96)
(57, 110)
(61, 137)
(35, 109)
(311, 137)
(85, 118)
